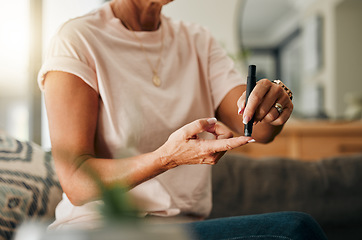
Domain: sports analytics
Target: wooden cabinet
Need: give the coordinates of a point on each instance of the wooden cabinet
(310, 141)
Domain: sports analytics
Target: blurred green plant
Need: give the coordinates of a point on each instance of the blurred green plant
(117, 205)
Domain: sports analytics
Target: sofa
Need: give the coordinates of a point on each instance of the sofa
(329, 189)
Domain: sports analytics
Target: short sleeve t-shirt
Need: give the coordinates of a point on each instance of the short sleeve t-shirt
(135, 116)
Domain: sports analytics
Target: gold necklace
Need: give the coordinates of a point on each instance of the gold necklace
(155, 78)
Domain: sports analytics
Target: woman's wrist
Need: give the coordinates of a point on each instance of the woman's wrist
(265, 132)
(164, 159)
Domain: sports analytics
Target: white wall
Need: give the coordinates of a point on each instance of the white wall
(219, 16)
(55, 12)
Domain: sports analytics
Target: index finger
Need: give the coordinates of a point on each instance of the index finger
(256, 98)
(221, 145)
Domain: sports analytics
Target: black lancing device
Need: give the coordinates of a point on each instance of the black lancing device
(251, 83)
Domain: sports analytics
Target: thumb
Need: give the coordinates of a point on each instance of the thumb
(241, 103)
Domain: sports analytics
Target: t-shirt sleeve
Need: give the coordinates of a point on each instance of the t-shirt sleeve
(69, 53)
(223, 75)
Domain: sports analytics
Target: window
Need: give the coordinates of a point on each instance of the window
(14, 66)
(25, 29)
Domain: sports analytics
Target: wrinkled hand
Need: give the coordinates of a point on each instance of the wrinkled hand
(185, 147)
(262, 102)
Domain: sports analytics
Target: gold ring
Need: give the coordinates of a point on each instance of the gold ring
(286, 89)
(279, 107)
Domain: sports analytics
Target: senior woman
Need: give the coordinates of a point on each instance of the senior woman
(133, 95)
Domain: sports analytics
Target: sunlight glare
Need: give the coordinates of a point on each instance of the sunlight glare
(14, 38)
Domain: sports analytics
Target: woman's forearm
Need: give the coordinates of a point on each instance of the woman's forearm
(85, 182)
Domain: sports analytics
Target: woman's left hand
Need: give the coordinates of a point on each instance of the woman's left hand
(268, 103)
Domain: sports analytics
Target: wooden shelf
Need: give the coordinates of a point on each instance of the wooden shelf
(310, 141)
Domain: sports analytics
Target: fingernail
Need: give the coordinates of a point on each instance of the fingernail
(212, 120)
(240, 110)
(246, 119)
(251, 141)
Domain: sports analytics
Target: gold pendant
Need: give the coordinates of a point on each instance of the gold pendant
(156, 80)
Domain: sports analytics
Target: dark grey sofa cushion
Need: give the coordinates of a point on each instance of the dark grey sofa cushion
(330, 189)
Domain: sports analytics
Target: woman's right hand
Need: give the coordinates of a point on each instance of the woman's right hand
(185, 147)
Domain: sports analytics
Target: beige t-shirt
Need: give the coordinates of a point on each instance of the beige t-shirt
(137, 117)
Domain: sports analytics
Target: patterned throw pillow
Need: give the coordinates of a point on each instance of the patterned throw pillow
(29, 188)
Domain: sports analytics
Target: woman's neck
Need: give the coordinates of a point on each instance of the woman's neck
(138, 15)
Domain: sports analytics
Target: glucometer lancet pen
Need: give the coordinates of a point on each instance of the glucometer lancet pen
(251, 83)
